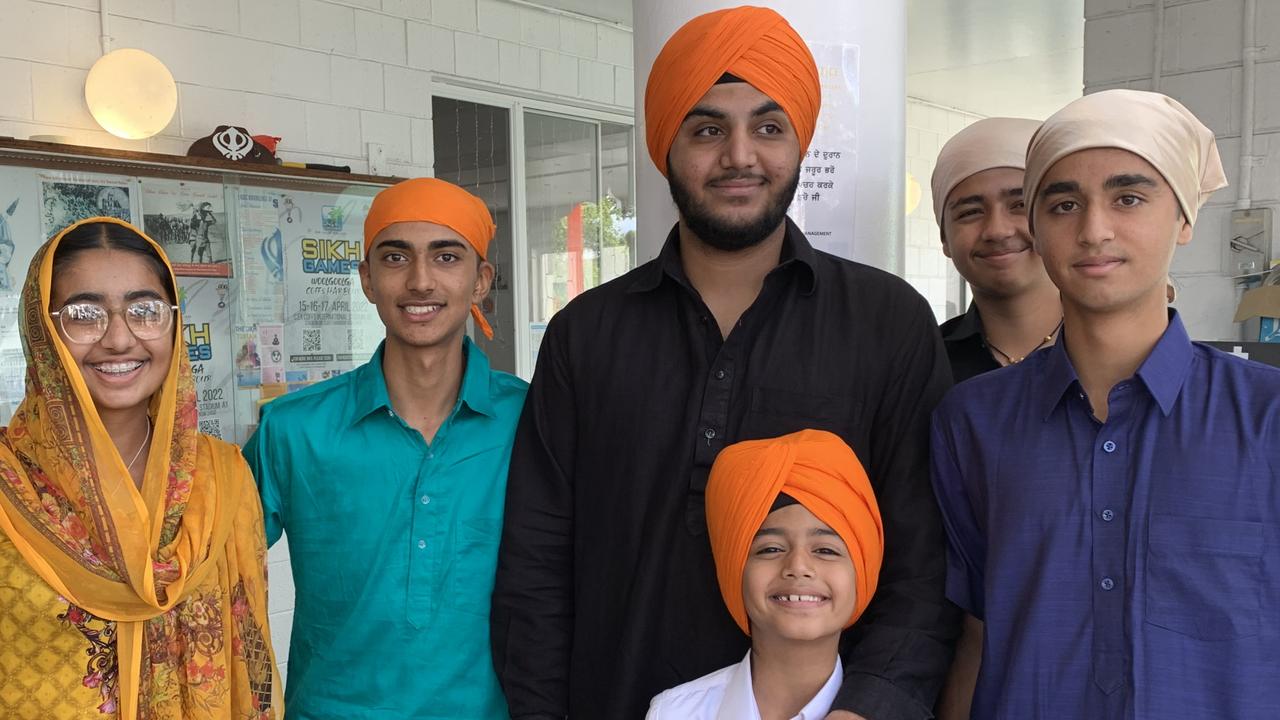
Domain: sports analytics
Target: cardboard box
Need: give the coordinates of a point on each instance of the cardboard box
(1264, 303)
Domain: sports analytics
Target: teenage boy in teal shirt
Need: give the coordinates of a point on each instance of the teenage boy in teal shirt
(389, 481)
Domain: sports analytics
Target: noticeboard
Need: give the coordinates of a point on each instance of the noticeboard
(266, 265)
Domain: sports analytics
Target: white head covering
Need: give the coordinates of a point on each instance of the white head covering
(1152, 126)
(985, 145)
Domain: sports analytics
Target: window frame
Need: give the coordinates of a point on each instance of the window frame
(518, 106)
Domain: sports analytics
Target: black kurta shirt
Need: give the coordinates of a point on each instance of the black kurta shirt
(967, 346)
(606, 591)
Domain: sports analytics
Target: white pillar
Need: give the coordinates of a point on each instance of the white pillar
(860, 47)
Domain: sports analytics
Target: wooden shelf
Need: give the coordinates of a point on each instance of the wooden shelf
(96, 159)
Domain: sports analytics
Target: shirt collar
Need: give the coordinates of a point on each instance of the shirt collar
(970, 324)
(1163, 372)
(370, 383)
(475, 392)
(1058, 377)
(369, 386)
(740, 699)
(796, 248)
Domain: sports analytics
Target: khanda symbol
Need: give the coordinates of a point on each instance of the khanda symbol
(273, 255)
(232, 143)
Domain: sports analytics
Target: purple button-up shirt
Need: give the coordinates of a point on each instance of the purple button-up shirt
(1127, 569)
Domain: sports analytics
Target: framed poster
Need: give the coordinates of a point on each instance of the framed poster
(330, 327)
(70, 197)
(206, 328)
(189, 220)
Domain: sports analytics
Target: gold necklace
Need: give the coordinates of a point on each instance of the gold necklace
(1009, 360)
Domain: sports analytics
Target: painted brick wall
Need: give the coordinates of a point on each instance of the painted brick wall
(328, 76)
(1201, 68)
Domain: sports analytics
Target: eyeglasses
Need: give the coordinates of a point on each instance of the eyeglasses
(87, 323)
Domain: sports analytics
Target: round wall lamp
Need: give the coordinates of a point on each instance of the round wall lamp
(913, 193)
(131, 94)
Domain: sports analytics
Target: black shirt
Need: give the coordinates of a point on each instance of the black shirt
(606, 591)
(967, 345)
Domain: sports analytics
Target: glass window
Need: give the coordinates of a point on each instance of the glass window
(561, 195)
(561, 187)
(580, 209)
(618, 203)
(473, 151)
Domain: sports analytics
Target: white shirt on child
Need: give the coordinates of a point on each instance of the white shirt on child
(726, 694)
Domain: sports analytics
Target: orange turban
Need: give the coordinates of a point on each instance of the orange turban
(816, 468)
(752, 43)
(434, 201)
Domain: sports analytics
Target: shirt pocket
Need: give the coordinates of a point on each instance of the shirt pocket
(1204, 576)
(474, 565)
(773, 412)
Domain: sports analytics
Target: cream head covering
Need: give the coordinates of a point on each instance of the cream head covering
(985, 145)
(1152, 126)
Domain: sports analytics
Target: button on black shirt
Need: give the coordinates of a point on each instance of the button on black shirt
(967, 346)
(606, 591)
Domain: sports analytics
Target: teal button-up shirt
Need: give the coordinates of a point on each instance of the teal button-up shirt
(393, 544)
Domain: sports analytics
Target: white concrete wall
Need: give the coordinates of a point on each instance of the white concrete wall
(326, 75)
(280, 603)
(929, 127)
(1201, 68)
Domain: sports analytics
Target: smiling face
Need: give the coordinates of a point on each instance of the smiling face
(985, 234)
(734, 166)
(121, 371)
(423, 278)
(799, 581)
(1107, 224)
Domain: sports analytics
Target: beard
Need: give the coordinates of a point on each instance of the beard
(726, 235)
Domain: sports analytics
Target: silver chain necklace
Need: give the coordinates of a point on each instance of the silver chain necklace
(145, 440)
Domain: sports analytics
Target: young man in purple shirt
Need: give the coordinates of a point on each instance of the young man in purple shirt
(1111, 502)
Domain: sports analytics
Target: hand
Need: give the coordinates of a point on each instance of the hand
(843, 715)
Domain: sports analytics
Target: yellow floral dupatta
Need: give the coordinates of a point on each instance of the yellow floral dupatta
(175, 569)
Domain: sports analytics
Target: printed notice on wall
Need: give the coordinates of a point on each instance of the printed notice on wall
(67, 198)
(271, 346)
(189, 220)
(328, 322)
(19, 239)
(206, 327)
(824, 204)
(261, 281)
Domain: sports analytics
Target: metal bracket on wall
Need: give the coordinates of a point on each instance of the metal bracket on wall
(1249, 250)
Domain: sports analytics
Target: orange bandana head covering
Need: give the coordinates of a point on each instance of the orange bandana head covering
(753, 43)
(434, 201)
(816, 468)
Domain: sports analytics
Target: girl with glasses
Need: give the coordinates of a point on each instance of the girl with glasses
(132, 553)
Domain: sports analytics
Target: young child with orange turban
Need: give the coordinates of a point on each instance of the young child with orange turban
(797, 540)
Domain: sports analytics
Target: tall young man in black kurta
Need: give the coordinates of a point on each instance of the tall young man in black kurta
(606, 591)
